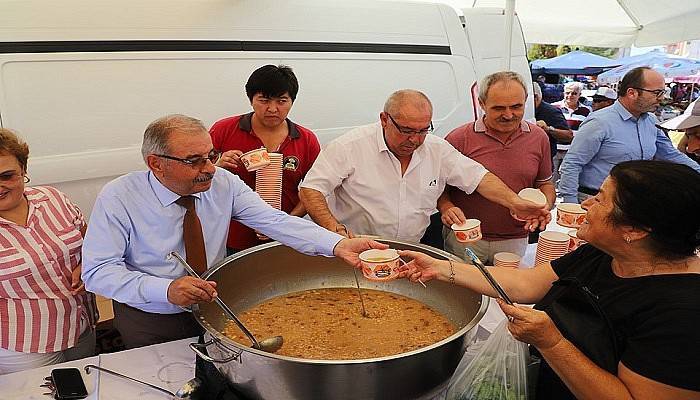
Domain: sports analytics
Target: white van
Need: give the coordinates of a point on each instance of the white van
(80, 80)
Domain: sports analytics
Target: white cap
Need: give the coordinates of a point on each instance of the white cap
(606, 92)
(689, 118)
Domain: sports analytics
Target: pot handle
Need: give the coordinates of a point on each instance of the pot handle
(197, 346)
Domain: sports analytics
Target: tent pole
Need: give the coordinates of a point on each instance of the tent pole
(510, 14)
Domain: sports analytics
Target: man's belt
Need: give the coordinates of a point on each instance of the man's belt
(587, 190)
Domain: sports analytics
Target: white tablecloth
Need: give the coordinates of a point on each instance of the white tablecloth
(168, 365)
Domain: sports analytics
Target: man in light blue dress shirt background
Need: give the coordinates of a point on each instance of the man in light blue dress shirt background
(624, 131)
(135, 223)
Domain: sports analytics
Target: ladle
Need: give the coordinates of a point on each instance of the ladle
(269, 345)
(183, 393)
(359, 291)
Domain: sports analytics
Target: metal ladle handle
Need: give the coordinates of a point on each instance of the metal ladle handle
(480, 266)
(218, 301)
(87, 371)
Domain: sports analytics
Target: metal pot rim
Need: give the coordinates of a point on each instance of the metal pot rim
(234, 346)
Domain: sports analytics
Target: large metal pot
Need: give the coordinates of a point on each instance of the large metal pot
(271, 270)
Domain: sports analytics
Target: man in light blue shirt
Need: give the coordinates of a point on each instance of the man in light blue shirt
(136, 222)
(624, 131)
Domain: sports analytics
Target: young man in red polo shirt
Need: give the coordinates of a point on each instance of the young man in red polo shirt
(272, 91)
(512, 149)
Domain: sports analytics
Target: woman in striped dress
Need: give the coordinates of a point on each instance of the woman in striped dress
(46, 316)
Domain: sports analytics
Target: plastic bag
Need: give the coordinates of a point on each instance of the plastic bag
(498, 370)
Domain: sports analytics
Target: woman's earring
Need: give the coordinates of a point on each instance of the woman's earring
(628, 240)
(26, 179)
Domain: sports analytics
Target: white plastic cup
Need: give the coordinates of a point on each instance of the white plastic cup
(570, 215)
(534, 195)
(469, 231)
(380, 265)
(574, 241)
(255, 159)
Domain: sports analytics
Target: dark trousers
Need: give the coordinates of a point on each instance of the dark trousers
(139, 328)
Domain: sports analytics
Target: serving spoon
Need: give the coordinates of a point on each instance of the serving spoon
(183, 393)
(480, 266)
(269, 345)
(359, 291)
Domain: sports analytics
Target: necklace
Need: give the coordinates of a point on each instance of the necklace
(645, 268)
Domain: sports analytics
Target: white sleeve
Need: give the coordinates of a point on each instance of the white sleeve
(461, 171)
(330, 169)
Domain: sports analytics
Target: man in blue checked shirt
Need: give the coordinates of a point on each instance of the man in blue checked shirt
(624, 131)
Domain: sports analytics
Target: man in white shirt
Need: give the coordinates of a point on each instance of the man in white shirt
(386, 177)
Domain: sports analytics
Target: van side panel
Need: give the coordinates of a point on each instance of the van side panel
(485, 29)
(83, 110)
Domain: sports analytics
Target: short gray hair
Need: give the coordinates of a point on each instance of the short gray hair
(578, 86)
(157, 134)
(500, 76)
(404, 96)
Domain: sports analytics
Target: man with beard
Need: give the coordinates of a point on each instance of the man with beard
(182, 203)
(385, 178)
(622, 132)
(516, 151)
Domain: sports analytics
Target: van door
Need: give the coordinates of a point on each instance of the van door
(485, 30)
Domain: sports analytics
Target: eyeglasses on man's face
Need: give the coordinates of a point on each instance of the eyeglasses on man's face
(657, 92)
(408, 131)
(195, 162)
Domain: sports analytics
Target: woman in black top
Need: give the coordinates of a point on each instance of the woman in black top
(618, 318)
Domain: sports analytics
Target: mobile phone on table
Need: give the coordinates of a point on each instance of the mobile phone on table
(68, 383)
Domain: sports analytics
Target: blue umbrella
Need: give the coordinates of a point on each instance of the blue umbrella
(573, 63)
(641, 57)
(668, 66)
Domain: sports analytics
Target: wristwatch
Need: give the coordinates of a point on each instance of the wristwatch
(550, 129)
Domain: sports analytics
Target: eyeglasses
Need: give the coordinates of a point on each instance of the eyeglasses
(10, 176)
(600, 100)
(657, 92)
(408, 131)
(195, 162)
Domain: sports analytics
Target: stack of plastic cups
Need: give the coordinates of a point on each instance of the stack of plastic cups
(268, 184)
(550, 246)
(505, 259)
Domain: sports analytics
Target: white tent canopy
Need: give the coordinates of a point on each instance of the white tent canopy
(604, 23)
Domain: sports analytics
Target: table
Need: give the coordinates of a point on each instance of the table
(168, 365)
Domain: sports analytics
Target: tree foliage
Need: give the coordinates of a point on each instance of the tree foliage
(538, 51)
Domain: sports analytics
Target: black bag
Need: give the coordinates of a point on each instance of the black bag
(577, 313)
